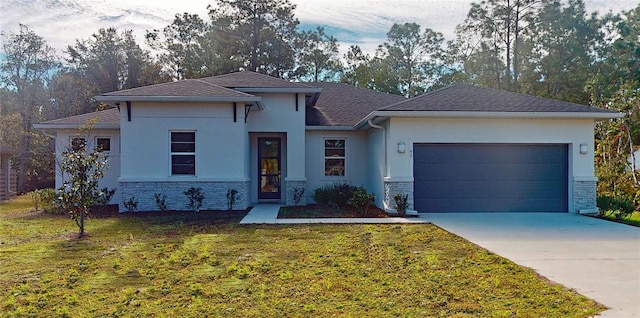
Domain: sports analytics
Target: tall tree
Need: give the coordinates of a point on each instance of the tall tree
(562, 45)
(112, 61)
(184, 45)
(499, 25)
(415, 55)
(262, 32)
(26, 68)
(318, 56)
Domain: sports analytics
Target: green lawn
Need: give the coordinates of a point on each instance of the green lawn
(199, 265)
(634, 219)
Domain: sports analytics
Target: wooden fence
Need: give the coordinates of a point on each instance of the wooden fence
(8, 187)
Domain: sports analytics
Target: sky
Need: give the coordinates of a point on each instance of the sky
(361, 22)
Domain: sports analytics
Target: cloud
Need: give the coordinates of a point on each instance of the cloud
(361, 22)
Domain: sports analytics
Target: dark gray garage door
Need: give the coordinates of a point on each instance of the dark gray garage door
(490, 178)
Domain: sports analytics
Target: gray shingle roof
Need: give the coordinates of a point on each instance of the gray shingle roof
(248, 79)
(469, 98)
(344, 105)
(188, 87)
(108, 117)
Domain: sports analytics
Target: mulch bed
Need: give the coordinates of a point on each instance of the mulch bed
(322, 211)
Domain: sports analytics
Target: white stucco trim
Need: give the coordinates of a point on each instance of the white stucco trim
(510, 115)
(398, 179)
(183, 179)
(585, 178)
(295, 179)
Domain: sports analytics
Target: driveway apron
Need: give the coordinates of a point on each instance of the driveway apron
(597, 258)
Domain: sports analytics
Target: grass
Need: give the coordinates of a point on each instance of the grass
(196, 265)
(633, 219)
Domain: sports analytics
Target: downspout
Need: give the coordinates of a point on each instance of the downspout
(384, 138)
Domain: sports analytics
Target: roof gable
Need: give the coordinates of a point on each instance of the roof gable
(247, 79)
(184, 88)
(470, 98)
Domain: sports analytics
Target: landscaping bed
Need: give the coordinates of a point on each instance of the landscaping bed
(313, 211)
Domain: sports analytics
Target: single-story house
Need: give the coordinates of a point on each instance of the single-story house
(462, 148)
(8, 176)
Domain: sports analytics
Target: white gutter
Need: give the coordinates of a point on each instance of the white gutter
(465, 114)
(121, 98)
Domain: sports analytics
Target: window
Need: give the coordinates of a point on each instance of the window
(334, 157)
(103, 144)
(78, 143)
(183, 153)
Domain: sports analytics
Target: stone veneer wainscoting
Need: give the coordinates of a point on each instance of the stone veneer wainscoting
(291, 186)
(584, 195)
(215, 194)
(391, 188)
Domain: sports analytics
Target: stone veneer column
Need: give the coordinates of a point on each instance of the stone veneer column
(391, 188)
(291, 187)
(215, 194)
(584, 195)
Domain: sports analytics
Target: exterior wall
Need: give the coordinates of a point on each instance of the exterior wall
(110, 180)
(484, 130)
(215, 194)
(377, 166)
(279, 118)
(356, 165)
(584, 195)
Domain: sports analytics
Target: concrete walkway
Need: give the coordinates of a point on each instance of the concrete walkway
(599, 259)
(268, 214)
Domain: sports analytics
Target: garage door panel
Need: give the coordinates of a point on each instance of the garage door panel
(490, 177)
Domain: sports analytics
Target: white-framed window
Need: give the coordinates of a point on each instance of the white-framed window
(78, 143)
(335, 156)
(103, 144)
(183, 152)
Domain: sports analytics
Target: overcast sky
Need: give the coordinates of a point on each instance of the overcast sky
(362, 22)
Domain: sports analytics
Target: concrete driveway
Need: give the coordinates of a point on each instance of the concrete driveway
(597, 258)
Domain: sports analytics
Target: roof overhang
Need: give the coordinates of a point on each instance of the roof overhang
(305, 90)
(329, 128)
(122, 98)
(73, 126)
(505, 115)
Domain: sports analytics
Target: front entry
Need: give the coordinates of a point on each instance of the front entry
(269, 166)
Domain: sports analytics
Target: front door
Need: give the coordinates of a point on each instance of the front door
(269, 151)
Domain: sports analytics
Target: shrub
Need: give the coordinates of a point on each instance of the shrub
(617, 206)
(361, 200)
(195, 197)
(161, 201)
(232, 197)
(131, 205)
(104, 196)
(401, 203)
(336, 195)
(297, 195)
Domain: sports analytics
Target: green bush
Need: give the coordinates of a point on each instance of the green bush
(336, 195)
(616, 206)
(402, 203)
(361, 200)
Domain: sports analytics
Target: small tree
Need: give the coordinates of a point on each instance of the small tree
(79, 192)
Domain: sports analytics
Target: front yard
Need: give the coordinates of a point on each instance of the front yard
(205, 264)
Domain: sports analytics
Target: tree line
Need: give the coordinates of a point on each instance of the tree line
(544, 48)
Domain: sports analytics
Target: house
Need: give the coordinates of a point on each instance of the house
(8, 176)
(460, 148)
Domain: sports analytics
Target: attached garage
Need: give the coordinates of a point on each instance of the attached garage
(491, 177)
